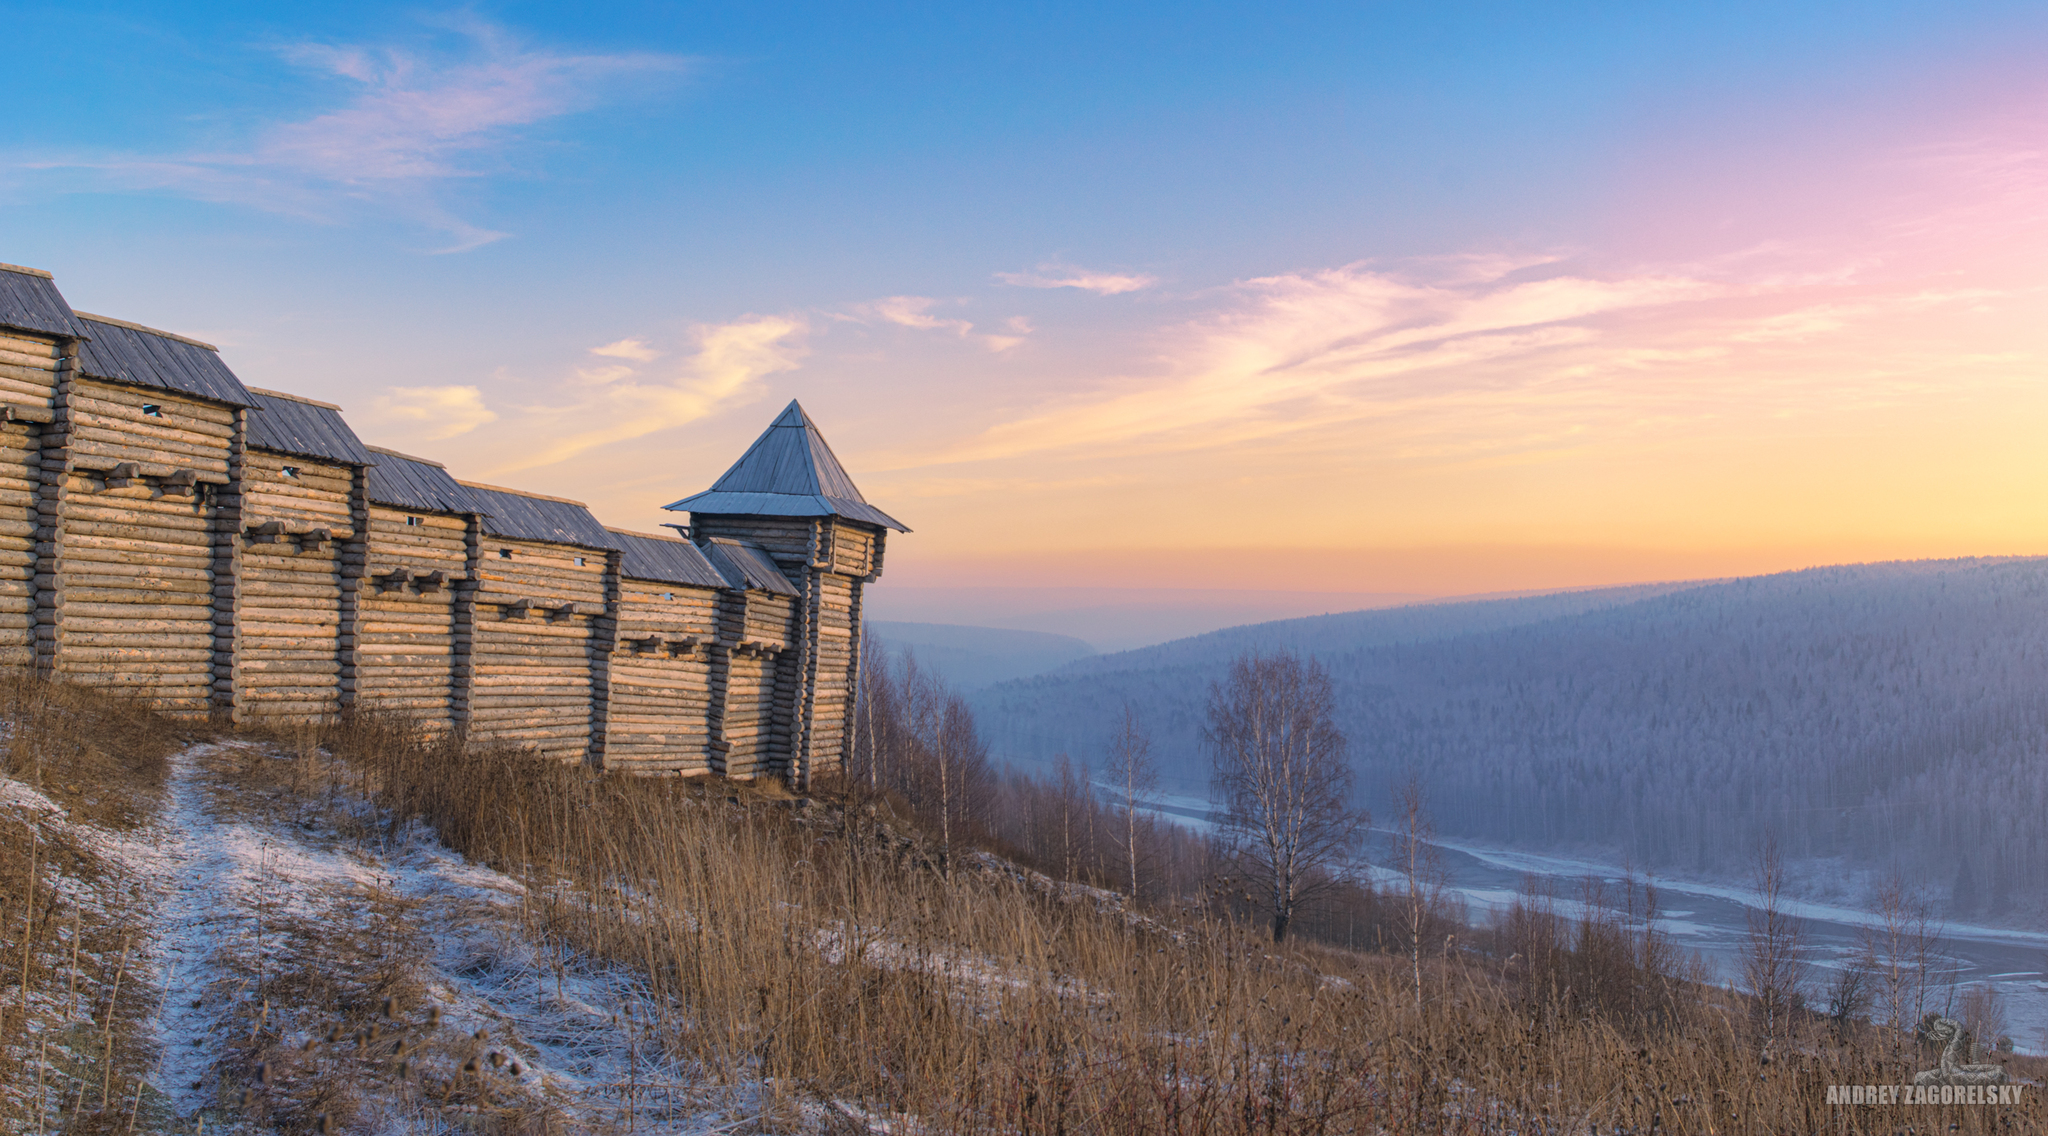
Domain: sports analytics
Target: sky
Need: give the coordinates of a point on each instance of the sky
(1322, 301)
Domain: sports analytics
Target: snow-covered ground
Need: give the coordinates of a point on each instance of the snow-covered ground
(244, 895)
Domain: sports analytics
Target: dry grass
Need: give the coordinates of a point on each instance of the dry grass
(815, 953)
(74, 997)
(819, 949)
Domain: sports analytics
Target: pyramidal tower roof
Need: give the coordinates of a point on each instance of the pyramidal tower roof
(788, 472)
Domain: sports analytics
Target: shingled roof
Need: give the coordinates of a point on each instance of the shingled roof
(788, 472)
(664, 558)
(29, 301)
(531, 516)
(406, 482)
(126, 352)
(747, 566)
(289, 424)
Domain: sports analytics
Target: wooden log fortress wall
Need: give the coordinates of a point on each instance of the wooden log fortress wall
(237, 553)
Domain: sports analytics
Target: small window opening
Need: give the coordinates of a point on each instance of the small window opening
(579, 562)
(413, 521)
(291, 471)
(504, 554)
(152, 410)
(668, 595)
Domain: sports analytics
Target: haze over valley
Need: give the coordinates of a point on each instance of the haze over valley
(1878, 718)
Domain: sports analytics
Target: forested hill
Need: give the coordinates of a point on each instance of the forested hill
(1893, 715)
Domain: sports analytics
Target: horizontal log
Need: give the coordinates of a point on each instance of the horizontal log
(306, 650)
(82, 549)
(257, 588)
(118, 399)
(652, 731)
(154, 538)
(138, 679)
(566, 685)
(261, 709)
(292, 500)
(537, 584)
(536, 708)
(25, 386)
(143, 445)
(290, 568)
(395, 533)
(387, 645)
(384, 693)
(88, 604)
(266, 624)
(436, 678)
(269, 465)
(29, 368)
(286, 667)
(197, 660)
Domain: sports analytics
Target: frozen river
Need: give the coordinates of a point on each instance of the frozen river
(1713, 919)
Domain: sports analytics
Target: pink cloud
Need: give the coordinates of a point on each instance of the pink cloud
(414, 123)
(1100, 283)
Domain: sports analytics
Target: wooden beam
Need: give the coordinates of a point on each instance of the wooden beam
(227, 577)
(54, 474)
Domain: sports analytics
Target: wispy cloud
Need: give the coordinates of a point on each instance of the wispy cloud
(1324, 347)
(1100, 283)
(916, 312)
(433, 413)
(413, 123)
(913, 312)
(634, 349)
(626, 402)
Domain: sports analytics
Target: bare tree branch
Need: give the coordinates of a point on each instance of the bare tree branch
(1281, 774)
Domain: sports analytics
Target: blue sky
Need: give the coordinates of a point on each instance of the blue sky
(1040, 271)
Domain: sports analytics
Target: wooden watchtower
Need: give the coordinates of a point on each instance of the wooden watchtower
(790, 500)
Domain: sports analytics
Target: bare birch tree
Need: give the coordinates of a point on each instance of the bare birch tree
(944, 764)
(1071, 784)
(1415, 857)
(1903, 947)
(1282, 778)
(1134, 773)
(1771, 968)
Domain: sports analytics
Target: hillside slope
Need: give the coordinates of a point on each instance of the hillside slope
(969, 658)
(1894, 716)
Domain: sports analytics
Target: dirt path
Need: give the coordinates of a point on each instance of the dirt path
(195, 914)
(317, 963)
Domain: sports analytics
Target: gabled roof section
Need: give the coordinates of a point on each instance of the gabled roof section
(125, 352)
(29, 301)
(519, 515)
(747, 567)
(289, 424)
(789, 471)
(664, 558)
(402, 481)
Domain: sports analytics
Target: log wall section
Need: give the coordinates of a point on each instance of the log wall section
(759, 716)
(662, 717)
(295, 528)
(29, 367)
(138, 556)
(407, 656)
(145, 545)
(830, 560)
(541, 641)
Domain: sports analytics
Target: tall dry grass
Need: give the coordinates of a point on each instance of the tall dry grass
(821, 949)
(75, 997)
